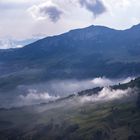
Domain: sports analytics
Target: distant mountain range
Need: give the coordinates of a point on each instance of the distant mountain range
(6, 43)
(78, 54)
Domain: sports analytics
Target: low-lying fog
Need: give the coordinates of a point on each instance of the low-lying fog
(107, 94)
(52, 90)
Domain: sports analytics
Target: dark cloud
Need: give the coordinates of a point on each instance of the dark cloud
(94, 6)
(53, 12)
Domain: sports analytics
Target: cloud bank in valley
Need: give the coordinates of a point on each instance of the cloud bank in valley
(33, 97)
(53, 90)
(108, 94)
(67, 87)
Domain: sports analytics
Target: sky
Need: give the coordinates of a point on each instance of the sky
(25, 19)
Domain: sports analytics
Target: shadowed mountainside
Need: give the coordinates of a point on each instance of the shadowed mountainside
(66, 119)
(83, 53)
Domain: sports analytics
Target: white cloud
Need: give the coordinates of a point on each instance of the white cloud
(53, 90)
(47, 10)
(123, 3)
(53, 9)
(34, 97)
(102, 81)
(108, 94)
(120, 14)
(17, 1)
(7, 43)
(67, 87)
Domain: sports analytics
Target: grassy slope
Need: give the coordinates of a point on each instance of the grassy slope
(107, 121)
(66, 120)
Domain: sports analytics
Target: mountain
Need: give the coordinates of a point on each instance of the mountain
(78, 54)
(72, 119)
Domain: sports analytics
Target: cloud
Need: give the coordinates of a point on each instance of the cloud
(35, 97)
(70, 18)
(52, 90)
(70, 86)
(46, 10)
(7, 43)
(96, 7)
(53, 9)
(102, 81)
(108, 94)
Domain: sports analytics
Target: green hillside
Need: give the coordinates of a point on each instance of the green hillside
(68, 119)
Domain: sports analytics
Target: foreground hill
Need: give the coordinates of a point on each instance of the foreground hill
(70, 119)
(81, 54)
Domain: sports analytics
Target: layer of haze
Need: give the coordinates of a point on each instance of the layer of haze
(52, 90)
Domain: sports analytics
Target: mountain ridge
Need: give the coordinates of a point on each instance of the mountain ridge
(73, 30)
(94, 51)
